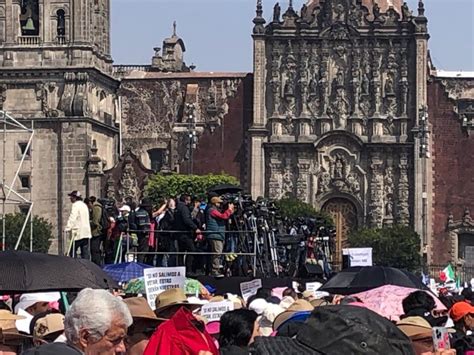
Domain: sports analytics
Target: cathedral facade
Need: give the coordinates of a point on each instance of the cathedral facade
(339, 102)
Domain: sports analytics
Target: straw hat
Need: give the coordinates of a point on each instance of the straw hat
(170, 298)
(415, 327)
(139, 308)
(8, 331)
(296, 307)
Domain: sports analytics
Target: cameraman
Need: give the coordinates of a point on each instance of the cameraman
(215, 228)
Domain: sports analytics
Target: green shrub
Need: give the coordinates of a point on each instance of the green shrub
(42, 233)
(163, 186)
(396, 246)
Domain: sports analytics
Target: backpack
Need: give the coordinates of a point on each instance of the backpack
(104, 219)
(143, 219)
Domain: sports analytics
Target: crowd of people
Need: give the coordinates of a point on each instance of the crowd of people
(102, 322)
(107, 233)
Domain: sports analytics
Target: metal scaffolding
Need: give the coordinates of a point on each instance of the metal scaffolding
(9, 196)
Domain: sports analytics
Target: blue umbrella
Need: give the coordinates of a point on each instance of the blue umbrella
(124, 272)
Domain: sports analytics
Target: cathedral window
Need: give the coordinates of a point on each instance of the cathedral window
(29, 18)
(156, 159)
(25, 182)
(466, 248)
(61, 25)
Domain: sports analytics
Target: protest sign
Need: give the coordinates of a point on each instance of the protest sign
(159, 279)
(313, 286)
(250, 288)
(359, 256)
(213, 311)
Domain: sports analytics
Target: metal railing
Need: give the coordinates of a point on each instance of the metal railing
(68, 240)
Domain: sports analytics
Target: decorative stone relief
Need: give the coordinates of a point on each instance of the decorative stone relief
(403, 191)
(339, 174)
(129, 182)
(376, 203)
(289, 83)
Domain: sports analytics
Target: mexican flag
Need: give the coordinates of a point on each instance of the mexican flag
(447, 274)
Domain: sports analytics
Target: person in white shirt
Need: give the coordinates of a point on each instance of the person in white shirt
(78, 225)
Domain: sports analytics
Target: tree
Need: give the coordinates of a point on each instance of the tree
(163, 186)
(293, 208)
(42, 233)
(396, 246)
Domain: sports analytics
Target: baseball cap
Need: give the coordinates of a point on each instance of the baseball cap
(459, 310)
(29, 299)
(125, 208)
(74, 194)
(49, 324)
(216, 199)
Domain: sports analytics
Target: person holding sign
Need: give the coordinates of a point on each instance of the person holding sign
(215, 227)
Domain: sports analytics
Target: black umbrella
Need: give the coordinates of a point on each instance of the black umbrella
(360, 279)
(22, 271)
(225, 189)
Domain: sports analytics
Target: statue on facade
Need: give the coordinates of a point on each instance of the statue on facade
(365, 84)
(289, 91)
(340, 108)
(389, 85)
(406, 13)
(315, 17)
(276, 12)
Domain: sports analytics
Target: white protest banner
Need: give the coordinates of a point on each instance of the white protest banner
(359, 256)
(250, 288)
(159, 279)
(313, 286)
(213, 311)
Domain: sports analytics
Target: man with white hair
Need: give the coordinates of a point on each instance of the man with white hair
(96, 323)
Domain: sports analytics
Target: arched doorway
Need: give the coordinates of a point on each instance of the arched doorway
(344, 215)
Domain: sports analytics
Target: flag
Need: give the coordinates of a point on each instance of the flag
(447, 274)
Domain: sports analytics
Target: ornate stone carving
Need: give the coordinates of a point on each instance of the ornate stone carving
(339, 174)
(376, 203)
(67, 98)
(288, 183)
(389, 191)
(403, 191)
(275, 178)
(42, 95)
(289, 83)
(302, 182)
(129, 182)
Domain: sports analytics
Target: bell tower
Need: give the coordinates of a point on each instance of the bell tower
(55, 33)
(56, 74)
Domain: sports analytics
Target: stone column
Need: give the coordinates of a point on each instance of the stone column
(258, 132)
(94, 172)
(422, 165)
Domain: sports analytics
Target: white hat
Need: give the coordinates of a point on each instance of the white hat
(125, 208)
(258, 305)
(29, 299)
(268, 317)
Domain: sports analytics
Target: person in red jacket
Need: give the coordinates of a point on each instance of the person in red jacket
(182, 334)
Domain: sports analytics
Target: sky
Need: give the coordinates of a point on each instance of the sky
(217, 33)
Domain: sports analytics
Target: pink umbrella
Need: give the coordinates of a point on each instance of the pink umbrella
(387, 300)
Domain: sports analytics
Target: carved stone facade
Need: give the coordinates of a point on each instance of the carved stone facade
(127, 179)
(156, 116)
(339, 104)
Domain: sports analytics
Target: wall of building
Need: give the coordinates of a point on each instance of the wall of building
(453, 170)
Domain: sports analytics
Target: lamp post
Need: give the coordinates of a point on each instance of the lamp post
(191, 132)
(424, 154)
